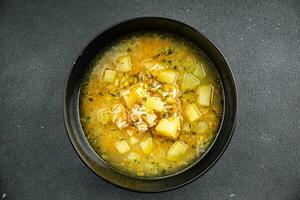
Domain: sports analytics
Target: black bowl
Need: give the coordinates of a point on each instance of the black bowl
(71, 101)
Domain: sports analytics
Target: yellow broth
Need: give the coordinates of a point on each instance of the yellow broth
(151, 104)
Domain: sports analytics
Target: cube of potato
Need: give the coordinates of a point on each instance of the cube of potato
(193, 113)
(153, 67)
(205, 95)
(199, 71)
(150, 64)
(155, 103)
(123, 63)
(133, 140)
(176, 151)
(186, 127)
(189, 64)
(122, 146)
(147, 145)
(176, 120)
(108, 76)
(128, 97)
(150, 119)
(104, 115)
(133, 96)
(132, 156)
(200, 127)
(167, 76)
(139, 92)
(189, 82)
(167, 128)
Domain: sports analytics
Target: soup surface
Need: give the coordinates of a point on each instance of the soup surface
(151, 104)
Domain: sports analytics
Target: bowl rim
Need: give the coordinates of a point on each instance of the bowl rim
(235, 113)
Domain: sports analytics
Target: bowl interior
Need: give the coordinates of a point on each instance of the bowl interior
(71, 109)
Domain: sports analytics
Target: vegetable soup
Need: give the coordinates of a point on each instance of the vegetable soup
(151, 104)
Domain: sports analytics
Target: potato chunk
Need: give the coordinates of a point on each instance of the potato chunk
(139, 92)
(167, 76)
(108, 76)
(186, 127)
(153, 67)
(199, 71)
(150, 119)
(189, 82)
(155, 103)
(123, 63)
(205, 95)
(122, 146)
(176, 120)
(147, 145)
(200, 127)
(177, 150)
(189, 64)
(167, 128)
(193, 113)
(132, 156)
(104, 115)
(133, 96)
(128, 98)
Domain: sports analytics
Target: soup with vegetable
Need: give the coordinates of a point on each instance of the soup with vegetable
(151, 104)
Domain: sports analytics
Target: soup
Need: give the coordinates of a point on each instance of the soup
(151, 104)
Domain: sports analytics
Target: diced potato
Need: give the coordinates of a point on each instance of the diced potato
(123, 63)
(205, 95)
(139, 92)
(167, 128)
(104, 115)
(133, 96)
(167, 76)
(133, 140)
(129, 98)
(186, 127)
(176, 120)
(132, 156)
(200, 127)
(176, 151)
(147, 145)
(155, 103)
(189, 82)
(193, 113)
(122, 146)
(109, 76)
(152, 65)
(199, 71)
(150, 119)
(189, 64)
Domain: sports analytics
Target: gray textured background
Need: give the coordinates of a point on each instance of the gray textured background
(40, 40)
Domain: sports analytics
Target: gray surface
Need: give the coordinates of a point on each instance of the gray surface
(40, 40)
